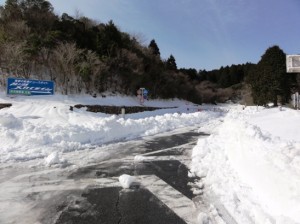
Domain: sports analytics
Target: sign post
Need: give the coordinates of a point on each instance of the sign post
(142, 94)
(294, 100)
(297, 100)
(145, 94)
(293, 66)
(123, 112)
(293, 63)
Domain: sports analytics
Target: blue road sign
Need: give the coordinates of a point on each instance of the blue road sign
(145, 92)
(16, 86)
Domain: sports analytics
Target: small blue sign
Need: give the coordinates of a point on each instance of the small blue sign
(16, 86)
(145, 92)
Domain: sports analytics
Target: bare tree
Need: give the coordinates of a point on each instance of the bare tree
(65, 59)
(14, 60)
(89, 23)
(17, 30)
(89, 68)
(74, 68)
(140, 38)
(44, 64)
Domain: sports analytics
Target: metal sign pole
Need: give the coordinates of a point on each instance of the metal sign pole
(123, 112)
(297, 100)
(294, 100)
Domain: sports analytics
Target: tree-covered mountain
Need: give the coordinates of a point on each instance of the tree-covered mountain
(82, 55)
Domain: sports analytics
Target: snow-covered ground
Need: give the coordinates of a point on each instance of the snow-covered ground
(37, 127)
(250, 164)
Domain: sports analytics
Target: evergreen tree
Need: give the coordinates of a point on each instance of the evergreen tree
(171, 63)
(202, 74)
(235, 74)
(268, 80)
(190, 72)
(224, 77)
(11, 11)
(109, 40)
(154, 48)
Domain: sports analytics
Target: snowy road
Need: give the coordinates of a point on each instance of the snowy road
(51, 157)
(91, 193)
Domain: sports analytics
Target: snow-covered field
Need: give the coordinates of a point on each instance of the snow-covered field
(250, 163)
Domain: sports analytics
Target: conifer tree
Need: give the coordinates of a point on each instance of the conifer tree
(268, 80)
(171, 63)
(154, 48)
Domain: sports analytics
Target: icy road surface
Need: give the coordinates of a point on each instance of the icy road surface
(93, 193)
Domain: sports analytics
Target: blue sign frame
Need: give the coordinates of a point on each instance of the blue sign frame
(28, 87)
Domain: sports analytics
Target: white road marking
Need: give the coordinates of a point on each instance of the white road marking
(173, 199)
(177, 202)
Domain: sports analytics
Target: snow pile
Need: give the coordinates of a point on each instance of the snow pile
(35, 127)
(252, 172)
(54, 159)
(139, 158)
(10, 122)
(127, 181)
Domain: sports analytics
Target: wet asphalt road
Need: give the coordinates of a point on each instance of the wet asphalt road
(92, 193)
(114, 205)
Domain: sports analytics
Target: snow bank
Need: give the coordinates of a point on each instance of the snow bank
(280, 123)
(35, 127)
(254, 173)
(9, 121)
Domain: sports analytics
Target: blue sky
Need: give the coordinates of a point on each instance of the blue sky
(201, 34)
